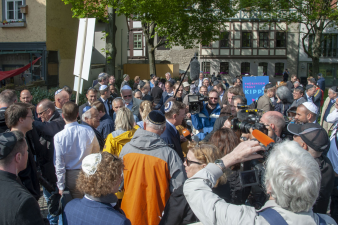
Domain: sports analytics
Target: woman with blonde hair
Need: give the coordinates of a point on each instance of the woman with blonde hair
(177, 210)
(124, 131)
(99, 179)
(145, 108)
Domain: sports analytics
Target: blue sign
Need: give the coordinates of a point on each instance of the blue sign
(253, 87)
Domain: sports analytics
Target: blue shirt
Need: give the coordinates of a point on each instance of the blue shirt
(172, 126)
(105, 103)
(106, 126)
(130, 105)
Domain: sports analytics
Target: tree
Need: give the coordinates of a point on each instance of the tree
(181, 22)
(315, 15)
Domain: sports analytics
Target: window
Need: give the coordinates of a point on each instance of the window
(162, 47)
(13, 10)
(137, 41)
(246, 39)
(263, 66)
(263, 39)
(245, 68)
(328, 45)
(206, 67)
(224, 41)
(279, 68)
(224, 68)
(280, 40)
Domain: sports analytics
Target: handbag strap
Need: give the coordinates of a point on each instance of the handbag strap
(272, 217)
(321, 220)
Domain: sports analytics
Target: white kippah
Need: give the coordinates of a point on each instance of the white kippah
(90, 163)
(58, 91)
(103, 87)
(311, 106)
(168, 106)
(126, 87)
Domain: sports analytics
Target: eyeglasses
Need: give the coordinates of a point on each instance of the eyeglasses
(126, 96)
(41, 112)
(213, 98)
(188, 162)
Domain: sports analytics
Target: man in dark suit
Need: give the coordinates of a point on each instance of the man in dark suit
(156, 93)
(174, 114)
(18, 205)
(165, 96)
(106, 99)
(91, 96)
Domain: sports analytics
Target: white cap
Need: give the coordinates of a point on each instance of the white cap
(126, 87)
(103, 87)
(90, 163)
(310, 106)
(186, 84)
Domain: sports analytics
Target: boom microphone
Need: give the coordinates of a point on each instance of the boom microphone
(262, 138)
(194, 68)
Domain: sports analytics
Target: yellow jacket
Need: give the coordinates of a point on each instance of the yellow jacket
(114, 145)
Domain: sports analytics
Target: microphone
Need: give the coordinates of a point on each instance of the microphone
(195, 68)
(262, 138)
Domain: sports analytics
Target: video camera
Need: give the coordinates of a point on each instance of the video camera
(247, 119)
(196, 103)
(256, 176)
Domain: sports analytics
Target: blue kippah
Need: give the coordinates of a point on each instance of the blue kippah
(156, 117)
(58, 91)
(85, 109)
(168, 106)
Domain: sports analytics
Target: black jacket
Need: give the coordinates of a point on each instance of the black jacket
(156, 93)
(326, 185)
(217, 125)
(46, 132)
(148, 97)
(18, 206)
(110, 103)
(3, 126)
(98, 135)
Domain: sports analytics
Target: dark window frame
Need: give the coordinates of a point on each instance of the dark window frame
(224, 67)
(248, 39)
(245, 68)
(224, 40)
(279, 68)
(264, 38)
(278, 40)
(206, 67)
(265, 67)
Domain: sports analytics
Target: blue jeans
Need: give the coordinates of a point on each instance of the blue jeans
(53, 220)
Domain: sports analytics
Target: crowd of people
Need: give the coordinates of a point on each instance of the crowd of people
(150, 153)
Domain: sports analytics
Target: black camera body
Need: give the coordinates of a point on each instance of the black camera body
(196, 103)
(247, 119)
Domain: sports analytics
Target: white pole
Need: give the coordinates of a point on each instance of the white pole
(80, 75)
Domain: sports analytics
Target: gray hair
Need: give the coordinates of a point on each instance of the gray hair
(284, 94)
(8, 97)
(102, 76)
(87, 114)
(167, 73)
(293, 176)
(124, 119)
(117, 100)
(154, 126)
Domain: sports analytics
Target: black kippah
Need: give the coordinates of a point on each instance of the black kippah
(7, 143)
(156, 117)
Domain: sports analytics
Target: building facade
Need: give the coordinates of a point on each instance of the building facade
(328, 61)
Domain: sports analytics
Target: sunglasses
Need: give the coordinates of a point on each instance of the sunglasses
(126, 96)
(189, 162)
(213, 98)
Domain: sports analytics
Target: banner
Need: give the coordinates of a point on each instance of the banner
(253, 87)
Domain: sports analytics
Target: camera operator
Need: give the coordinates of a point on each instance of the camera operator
(204, 121)
(292, 181)
(274, 122)
(314, 139)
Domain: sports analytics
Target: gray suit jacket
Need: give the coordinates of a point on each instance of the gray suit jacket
(297, 102)
(136, 107)
(264, 103)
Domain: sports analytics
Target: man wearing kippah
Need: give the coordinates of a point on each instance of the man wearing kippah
(306, 113)
(102, 80)
(106, 99)
(133, 104)
(17, 206)
(152, 171)
(61, 97)
(329, 107)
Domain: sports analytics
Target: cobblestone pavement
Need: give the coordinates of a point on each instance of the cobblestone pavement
(43, 206)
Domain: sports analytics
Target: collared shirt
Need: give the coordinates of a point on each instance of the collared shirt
(221, 96)
(172, 126)
(171, 94)
(309, 99)
(89, 103)
(105, 103)
(71, 145)
(200, 83)
(130, 105)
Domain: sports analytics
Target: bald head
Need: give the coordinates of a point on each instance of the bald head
(275, 120)
(61, 99)
(26, 97)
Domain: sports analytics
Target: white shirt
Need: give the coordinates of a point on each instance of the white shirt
(71, 145)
